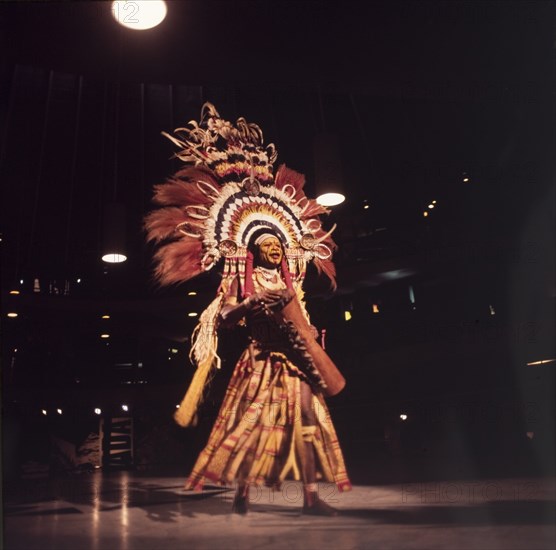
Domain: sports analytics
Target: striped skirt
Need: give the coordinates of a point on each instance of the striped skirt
(257, 437)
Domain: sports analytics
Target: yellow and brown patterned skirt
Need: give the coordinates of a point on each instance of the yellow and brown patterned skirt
(257, 437)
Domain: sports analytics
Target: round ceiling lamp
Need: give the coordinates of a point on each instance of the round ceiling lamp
(328, 170)
(139, 15)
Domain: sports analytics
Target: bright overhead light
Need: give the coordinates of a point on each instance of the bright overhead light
(139, 15)
(105, 317)
(403, 416)
(434, 202)
(14, 292)
(541, 362)
(192, 293)
(105, 335)
(44, 412)
(114, 258)
(425, 213)
(347, 315)
(330, 199)
(59, 411)
(375, 308)
(97, 411)
(12, 314)
(192, 314)
(125, 408)
(177, 406)
(431, 205)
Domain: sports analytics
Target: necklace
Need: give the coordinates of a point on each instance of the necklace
(269, 275)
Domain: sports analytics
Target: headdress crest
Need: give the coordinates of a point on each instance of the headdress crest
(228, 191)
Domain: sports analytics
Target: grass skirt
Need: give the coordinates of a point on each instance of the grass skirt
(257, 437)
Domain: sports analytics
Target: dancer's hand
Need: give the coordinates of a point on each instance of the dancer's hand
(273, 300)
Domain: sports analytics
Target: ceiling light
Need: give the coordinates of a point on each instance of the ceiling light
(431, 205)
(139, 15)
(465, 180)
(12, 314)
(328, 170)
(192, 314)
(98, 411)
(403, 416)
(375, 308)
(125, 408)
(44, 412)
(347, 315)
(425, 213)
(114, 233)
(330, 199)
(114, 258)
(59, 411)
(14, 292)
(105, 317)
(192, 293)
(105, 335)
(541, 362)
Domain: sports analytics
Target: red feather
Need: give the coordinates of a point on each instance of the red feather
(286, 176)
(329, 269)
(314, 209)
(161, 224)
(178, 261)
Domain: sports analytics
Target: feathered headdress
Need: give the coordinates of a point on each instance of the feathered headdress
(228, 192)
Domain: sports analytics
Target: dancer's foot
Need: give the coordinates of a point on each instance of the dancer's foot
(239, 505)
(241, 501)
(319, 508)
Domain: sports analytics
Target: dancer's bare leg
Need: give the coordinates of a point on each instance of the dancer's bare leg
(312, 504)
(241, 499)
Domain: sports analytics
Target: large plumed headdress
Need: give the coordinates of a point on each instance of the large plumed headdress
(226, 193)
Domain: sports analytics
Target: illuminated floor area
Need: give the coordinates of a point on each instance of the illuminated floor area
(126, 511)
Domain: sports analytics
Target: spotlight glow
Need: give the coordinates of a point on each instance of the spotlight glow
(541, 362)
(98, 411)
(403, 416)
(12, 314)
(105, 336)
(59, 411)
(114, 258)
(44, 412)
(431, 205)
(192, 293)
(139, 15)
(375, 308)
(105, 317)
(192, 314)
(125, 408)
(425, 213)
(14, 292)
(331, 199)
(347, 315)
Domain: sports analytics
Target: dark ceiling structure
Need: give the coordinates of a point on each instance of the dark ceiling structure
(444, 101)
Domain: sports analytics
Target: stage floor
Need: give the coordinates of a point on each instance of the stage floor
(120, 511)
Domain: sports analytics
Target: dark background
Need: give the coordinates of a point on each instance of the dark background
(420, 94)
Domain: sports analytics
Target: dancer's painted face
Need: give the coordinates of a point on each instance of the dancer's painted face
(270, 252)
